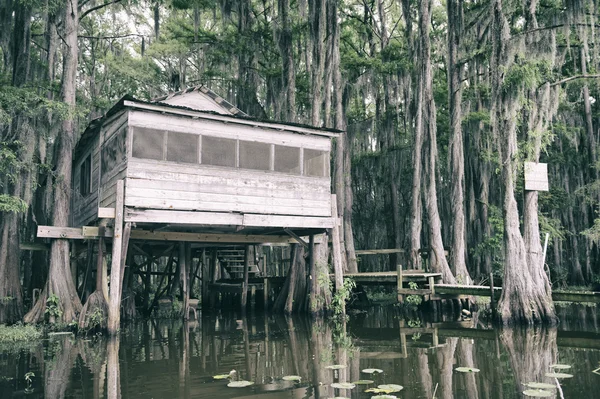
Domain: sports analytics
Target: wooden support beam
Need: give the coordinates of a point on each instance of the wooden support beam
(106, 213)
(94, 232)
(399, 283)
(338, 270)
(296, 237)
(245, 284)
(114, 314)
(379, 251)
(33, 246)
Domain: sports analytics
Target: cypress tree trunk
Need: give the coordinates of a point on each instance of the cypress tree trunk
(60, 280)
(523, 299)
(437, 257)
(458, 256)
(11, 294)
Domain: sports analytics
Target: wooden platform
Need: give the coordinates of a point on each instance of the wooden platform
(431, 287)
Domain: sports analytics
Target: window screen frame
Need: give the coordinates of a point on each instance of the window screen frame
(85, 176)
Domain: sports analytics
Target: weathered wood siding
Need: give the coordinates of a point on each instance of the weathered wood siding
(113, 159)
(84, 207)
(167, 185)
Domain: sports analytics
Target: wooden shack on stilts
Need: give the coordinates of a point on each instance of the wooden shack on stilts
(191, 169)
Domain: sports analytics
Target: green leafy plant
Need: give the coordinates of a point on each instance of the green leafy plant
(53, 310)
(339, 299)
(414, 300)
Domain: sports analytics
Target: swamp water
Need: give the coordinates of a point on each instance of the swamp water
(160, 359)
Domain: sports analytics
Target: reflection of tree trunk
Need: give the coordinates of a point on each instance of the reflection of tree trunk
(184, 362)
(94, 357)
(424, 373)
(465, 359)
(531, 353)
(445, 360)
(113, 385)
(57, 377)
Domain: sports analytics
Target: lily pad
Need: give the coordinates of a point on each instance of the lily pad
(343, 385)
(372, 371)
(292, 378)
(559, 375)
(375, 390)
(240, 384)
(538, 393)
(560, 366)
(221, 376)
(336, 367)
(467, 370)
(391, 387)
(540, 385)
(363, 382)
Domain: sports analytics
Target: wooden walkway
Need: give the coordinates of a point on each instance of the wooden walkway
(430, 286)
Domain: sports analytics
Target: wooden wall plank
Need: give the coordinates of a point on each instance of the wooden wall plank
(292, 222)
(182, 217)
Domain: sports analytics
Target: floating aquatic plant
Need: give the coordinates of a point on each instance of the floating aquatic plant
(559, 375)
(343, 385)
(363, 382)
(538, 393)
(292, 378)
(390, 387)
(560, 366)
(224, 376)
(336, 367)
(372, 371)
(467, 370)
(239, 384)
(540, 385)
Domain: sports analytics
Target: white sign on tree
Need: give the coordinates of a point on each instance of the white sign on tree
(536, 176)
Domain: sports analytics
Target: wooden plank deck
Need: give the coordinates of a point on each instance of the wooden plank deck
(481, 290)
(430, 285)
(371, 278)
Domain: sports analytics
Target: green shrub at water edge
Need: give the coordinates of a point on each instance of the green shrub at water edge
(19, 333)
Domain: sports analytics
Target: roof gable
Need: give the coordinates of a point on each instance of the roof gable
(200, 98)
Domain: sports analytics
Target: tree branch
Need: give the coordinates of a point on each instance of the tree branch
(573, 78)
(108, 3)
(109, 37)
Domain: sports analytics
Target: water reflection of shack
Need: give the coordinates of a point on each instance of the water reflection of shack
(193, 169)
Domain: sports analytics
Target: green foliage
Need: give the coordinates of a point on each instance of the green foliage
(53, 307)
(10, 203)
(413, 300)
(19, 333)
(341, 296)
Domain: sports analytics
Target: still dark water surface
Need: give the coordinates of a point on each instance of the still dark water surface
(160, 359)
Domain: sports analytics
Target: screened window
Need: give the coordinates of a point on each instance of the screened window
(182, 147)
(287, 159)
(218, 151)
(114, 152)
(148, 143)
(316, 163)
(255, 155)
(85, 176)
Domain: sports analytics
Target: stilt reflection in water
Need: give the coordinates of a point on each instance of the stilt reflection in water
(176, 359)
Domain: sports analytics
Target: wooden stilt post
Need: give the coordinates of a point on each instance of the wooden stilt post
(313, 275)
(265, 293)
(184, 252)
(245, 283)
(336, 246)
(114, 314)
(400, 283)
(205, 278)
(213, 277)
